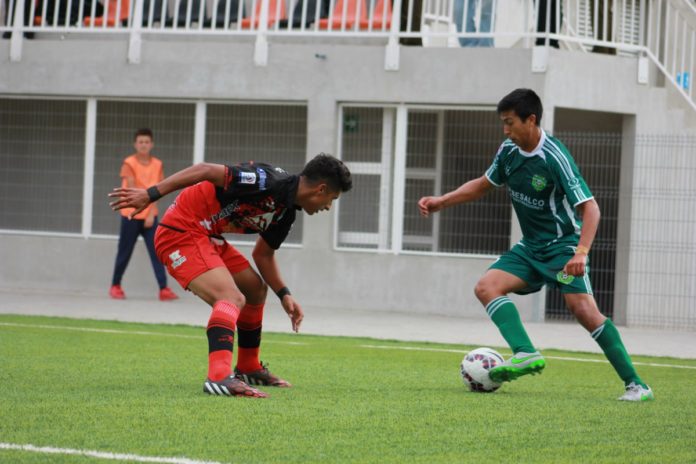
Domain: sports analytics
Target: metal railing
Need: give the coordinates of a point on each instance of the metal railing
(659, 31)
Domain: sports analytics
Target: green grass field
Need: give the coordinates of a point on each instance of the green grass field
(137, 389)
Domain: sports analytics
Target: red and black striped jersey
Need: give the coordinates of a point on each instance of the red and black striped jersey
(256, 198)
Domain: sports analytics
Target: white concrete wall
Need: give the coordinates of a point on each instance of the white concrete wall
(223, 70)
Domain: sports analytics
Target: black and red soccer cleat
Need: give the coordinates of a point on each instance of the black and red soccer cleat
(262, 377)
(231, 386)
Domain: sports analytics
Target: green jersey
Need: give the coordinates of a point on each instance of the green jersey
(544, 186)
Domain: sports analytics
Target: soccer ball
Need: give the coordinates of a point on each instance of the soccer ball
(475, 367)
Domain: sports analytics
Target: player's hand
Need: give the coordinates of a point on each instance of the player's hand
(428, 205)
(149, 221)
(129, 198)
(294, 311)
(576, 265)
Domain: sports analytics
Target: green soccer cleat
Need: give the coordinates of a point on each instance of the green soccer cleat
(635, 392)
(518, 365)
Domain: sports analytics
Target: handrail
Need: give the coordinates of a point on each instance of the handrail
(663, 31)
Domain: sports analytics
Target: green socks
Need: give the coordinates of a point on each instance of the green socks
(609, 340)
(503, 313)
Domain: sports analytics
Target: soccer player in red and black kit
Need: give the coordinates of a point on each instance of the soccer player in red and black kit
(248, 198)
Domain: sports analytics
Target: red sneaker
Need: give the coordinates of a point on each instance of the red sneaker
(116, 292)
(166, 294)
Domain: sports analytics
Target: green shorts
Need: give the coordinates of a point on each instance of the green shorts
(539, 268)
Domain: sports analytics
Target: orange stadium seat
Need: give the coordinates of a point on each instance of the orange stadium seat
(381, 19)
(336, 20)
(276, 12)
(113, 15)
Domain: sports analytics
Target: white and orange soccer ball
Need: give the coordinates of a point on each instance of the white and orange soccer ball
(475, 367)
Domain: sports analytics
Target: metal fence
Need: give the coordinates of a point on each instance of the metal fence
(662, 272)
(598, 155)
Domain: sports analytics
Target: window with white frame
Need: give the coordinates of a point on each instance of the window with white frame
(364, 215)
(172, 125)
(398, 154)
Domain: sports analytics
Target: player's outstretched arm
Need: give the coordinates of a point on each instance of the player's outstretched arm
(470, 191)
(139, 198)
(264, 258)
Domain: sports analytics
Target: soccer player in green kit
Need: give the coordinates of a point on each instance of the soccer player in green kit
(558, 217)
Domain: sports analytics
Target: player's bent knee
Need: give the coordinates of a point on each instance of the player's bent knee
(257, 293)
(239, 300)
(483, 291)
(235, 297)
(262, 291)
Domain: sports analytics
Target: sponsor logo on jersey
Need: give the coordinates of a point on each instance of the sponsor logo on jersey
(575, 187)
(258, 223)
(177, 259)
(564, 278)
(538, 182)
(526, 200)
(223, 213)
(262, 178)
(247, 177)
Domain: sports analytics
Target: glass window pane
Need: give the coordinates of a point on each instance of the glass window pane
(172, 127)
(469, 142)
(362, 135)
(422, 139)
(358, 219)
(42, 150)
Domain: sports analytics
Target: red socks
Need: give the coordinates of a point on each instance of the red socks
(220, 333)
(249, 333)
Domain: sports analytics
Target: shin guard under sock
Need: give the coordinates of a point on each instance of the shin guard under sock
(249, 341)
(504, 314)
(220, 331)
(608, 338)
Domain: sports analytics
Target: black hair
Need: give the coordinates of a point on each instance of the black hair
(524, 102)
(144, 131)
(328, 169)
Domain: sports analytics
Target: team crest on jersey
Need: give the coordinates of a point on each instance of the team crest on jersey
(538, 182)
(247, 178)
(564, 278)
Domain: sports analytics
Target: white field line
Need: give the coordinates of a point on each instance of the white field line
(122, 332)
(102, 455)
(383, 347)
(560, 358)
